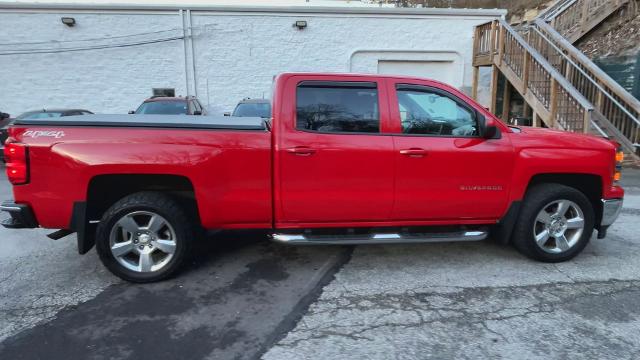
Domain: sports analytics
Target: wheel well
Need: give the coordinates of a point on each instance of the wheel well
(105, 190)
(589, 185)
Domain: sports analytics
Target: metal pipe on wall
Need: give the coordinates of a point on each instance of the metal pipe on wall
(186, 60)
(193, 54)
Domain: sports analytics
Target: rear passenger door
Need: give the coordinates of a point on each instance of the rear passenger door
(334, 163)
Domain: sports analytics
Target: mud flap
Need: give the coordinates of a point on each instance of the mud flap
(86, 232)
(503, 230)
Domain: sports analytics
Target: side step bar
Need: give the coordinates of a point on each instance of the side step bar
(382, 238)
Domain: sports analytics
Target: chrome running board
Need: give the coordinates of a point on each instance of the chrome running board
(381, 238)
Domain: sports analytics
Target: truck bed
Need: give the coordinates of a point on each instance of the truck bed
(226, 161)
(153, 121)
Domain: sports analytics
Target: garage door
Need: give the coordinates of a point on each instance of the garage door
(437, 70)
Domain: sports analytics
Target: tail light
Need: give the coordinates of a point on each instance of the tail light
(16, 155)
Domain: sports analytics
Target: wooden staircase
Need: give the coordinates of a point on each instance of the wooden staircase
(575, 18)
(564, 88)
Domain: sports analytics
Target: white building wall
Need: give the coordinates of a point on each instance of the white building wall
(237, 54)
(110, 80)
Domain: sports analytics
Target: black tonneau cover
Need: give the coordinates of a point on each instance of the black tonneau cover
(152, 121)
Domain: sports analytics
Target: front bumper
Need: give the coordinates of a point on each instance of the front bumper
(610, 211)
(21, 216)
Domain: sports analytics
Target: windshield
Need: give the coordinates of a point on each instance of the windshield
(38, 115)
(163, 107)
(262, 110)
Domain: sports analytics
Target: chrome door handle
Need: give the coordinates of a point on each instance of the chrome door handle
(301, 151)
(414, 152)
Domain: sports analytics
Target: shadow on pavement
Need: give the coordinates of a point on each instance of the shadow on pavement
(239, 295)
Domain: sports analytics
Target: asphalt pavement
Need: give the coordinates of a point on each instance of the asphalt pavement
(245, 298)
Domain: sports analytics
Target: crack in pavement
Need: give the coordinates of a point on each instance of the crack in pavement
(369, 316)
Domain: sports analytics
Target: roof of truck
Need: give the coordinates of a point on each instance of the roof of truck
(168, 98)
(254, 101)
(365, 77)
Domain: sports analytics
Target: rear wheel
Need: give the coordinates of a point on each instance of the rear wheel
(555, 224)
(144, 237)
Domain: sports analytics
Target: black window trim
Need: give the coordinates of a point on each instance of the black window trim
(338, 84)
(343, 85)
(425, 88)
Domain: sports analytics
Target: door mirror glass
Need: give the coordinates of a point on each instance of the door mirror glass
(488, 127)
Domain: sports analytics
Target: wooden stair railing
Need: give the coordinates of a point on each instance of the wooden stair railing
(575, 18)
(484, 44)
(616, 111)
(554, 100)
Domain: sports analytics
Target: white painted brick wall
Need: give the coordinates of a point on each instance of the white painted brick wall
(236, 55)
(110, 80)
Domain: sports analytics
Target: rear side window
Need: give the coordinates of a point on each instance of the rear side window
(329, 107)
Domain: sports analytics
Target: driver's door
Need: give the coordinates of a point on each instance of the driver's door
(444, 169)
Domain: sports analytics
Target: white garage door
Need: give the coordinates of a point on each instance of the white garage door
(437, 70)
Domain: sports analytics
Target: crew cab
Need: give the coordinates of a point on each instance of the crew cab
(345, 159)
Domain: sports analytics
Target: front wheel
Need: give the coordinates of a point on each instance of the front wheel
(144, 237)
(555, 224)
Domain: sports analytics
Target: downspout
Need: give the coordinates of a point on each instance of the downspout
(185, 47)
(193, 55)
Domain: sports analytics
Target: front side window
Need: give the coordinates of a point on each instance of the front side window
(337, 107)
(432, 113)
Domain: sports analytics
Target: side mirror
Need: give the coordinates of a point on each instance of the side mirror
(488, 127)
(4, 116)
(227, 114)
(197, 112)
(131, 112)
(491, 132)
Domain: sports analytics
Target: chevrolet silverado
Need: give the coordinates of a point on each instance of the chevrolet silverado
(345, 159)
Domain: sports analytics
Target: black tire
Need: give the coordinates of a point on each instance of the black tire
(535, 201)
(156, 203)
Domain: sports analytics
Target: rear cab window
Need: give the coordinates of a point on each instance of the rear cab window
(163, 107)
(338, 107)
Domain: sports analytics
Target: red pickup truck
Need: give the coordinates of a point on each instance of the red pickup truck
(345, 159)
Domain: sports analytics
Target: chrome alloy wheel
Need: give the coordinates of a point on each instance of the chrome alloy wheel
(142, 241)
(558, 226)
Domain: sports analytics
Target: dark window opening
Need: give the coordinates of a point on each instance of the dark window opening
(164, 92)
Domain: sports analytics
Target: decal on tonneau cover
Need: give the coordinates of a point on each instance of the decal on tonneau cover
(39, 133)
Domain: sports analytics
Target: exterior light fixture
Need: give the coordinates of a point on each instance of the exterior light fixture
(69, 21)
(300, 24)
